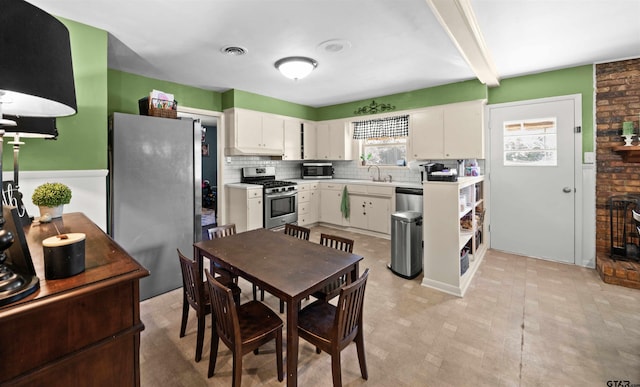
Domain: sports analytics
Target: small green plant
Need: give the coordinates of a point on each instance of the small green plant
(51, 195)
(369, 157)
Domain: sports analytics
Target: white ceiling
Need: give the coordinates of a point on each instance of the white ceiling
(396, 45)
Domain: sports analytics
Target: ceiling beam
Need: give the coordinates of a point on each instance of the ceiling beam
(458, 19)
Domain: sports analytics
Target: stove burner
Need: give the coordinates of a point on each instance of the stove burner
(276, 183)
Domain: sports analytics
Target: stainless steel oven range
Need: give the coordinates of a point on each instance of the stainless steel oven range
(280, 197)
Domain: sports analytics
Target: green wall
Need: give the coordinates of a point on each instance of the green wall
(246, 100)
(125, 89)
(82, 143)
(439, 95)
(82, 140)
(575, 80)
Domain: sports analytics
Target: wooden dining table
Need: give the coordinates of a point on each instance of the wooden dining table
(289, 268)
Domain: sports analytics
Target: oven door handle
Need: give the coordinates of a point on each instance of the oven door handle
(281, 195)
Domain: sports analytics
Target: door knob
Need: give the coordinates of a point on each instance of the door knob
(566, 190)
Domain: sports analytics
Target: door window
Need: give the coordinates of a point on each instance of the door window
(531, 142)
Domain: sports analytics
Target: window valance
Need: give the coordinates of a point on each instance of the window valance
(381, 128)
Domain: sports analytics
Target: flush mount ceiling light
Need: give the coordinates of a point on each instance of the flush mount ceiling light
(296, 67)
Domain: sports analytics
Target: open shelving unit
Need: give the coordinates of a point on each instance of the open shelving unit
(454, 234)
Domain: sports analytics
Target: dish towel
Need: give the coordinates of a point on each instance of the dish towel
(344, 205)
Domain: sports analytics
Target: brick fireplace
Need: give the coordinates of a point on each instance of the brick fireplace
(617, 100)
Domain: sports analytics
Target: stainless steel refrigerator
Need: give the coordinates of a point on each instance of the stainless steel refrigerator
(155, 193)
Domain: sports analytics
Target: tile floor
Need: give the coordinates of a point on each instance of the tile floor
(523, 322)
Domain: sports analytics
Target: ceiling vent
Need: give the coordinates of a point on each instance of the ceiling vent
(233, 50)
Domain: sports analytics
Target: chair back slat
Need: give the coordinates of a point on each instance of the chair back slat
(297, 231)
(224, 310)
(222, 231)
(337, 242)
(349, 308)
(193, 286)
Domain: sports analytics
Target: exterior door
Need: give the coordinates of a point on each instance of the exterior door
(532, 169)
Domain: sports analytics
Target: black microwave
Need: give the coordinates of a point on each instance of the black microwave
(317, 171)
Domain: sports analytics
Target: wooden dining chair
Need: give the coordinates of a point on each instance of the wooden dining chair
(194, 296)
(242, 329)
(332, 328)
(221, 232)
(297, 231)
(340, 243)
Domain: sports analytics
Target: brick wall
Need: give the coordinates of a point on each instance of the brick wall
(617, 100)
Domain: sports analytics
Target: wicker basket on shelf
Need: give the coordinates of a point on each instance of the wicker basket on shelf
(150, 107)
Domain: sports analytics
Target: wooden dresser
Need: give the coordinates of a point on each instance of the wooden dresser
(81, 330)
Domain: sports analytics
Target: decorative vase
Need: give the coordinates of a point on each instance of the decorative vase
(54, 212)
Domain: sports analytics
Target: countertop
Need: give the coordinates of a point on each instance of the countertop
(409, 184)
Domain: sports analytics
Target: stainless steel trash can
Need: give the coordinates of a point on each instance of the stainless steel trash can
(406, 244)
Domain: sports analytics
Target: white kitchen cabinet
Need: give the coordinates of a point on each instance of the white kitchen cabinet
(330, 204)
(292, 140)
(464, 130)
(379, 213)
(447, 206)
(452, 131)
(333, 141)
(245, 207)
(308, 203)
(370, 207)
(309, 141)
(253, 133)
(426, 134)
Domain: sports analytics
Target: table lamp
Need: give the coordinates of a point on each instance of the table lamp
(26, 127)
(36, 80)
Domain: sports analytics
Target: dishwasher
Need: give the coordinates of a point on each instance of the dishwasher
(406, 233)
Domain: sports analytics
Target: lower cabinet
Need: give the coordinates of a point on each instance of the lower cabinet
(370, 213)
(245, 208)
(330, 204)
(308, 204)
(369, 205)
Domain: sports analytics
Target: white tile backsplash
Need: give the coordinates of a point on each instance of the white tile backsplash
(343, 169)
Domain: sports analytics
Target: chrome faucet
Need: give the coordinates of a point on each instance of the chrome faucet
(374, 179)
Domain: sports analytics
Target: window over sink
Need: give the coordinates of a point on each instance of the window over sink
(382, 141)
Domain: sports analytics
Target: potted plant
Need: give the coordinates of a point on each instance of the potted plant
(50, 198)
(365, 159)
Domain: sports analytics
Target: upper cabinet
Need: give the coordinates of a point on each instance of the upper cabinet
(453, 131)
(333, 141)
(292, 139)
(253, 133)
(309, 139)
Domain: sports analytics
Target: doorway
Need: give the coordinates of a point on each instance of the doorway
(209, 121)
(535, 150)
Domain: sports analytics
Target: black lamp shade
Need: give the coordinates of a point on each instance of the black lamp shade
(32, 127)
(36, 72)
